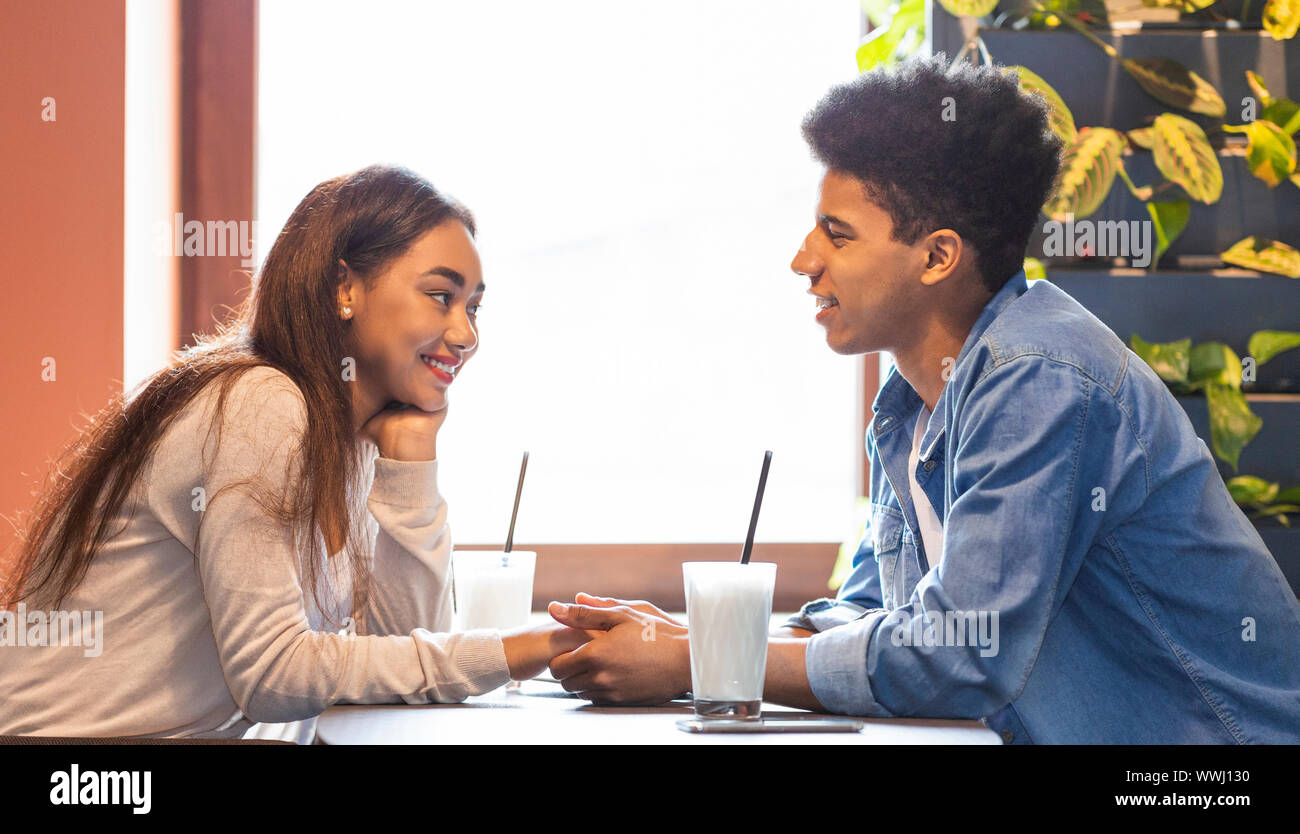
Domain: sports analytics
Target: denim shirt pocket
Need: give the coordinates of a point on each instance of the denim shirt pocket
(886, 539)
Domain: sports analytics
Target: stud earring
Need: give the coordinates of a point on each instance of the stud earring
(347, 312)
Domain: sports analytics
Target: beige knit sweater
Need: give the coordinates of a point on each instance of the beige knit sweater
(206, 638)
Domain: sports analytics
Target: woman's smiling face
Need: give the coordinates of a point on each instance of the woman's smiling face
(416, 326)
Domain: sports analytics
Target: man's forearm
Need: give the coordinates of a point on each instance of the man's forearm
(786, 681)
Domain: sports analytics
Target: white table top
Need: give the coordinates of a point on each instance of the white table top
(541, 712)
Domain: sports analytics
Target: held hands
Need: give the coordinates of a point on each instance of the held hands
(529, 648)
(405, 432)
(638, 654)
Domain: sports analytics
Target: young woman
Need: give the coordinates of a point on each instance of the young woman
(260, 522)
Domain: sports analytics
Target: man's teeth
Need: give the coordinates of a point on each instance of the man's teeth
(446, 369)
(823, 303)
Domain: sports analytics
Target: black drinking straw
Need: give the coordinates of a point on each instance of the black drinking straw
(758, 502)
(519, 490)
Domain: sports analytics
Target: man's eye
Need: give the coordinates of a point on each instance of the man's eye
(838, 240)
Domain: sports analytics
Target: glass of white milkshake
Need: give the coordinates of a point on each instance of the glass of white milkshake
(493, 589)
(728, 609)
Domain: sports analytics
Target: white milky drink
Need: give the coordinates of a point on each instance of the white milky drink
(728, 609)
(493, 589)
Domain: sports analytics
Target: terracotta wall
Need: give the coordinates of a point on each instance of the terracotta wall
(61, 230)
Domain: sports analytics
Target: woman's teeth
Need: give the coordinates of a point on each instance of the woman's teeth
(434, 363)
(823, 303)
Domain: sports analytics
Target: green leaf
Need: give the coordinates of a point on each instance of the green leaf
(1282, 18)
(1059, 117)
(1265, 255)
(1187, 6)
(895, 40)
(1265, 344)
(1284, 113)
(1034, 270)
(1142, 137)
(969, 8)
(1170, 360)
(1214, 363)
(1087, 172)
(1289, 496)
(1277, 510)
(1176, 85)
(1271, 153)
(1247, 489)
(1184, 156)
(1257, 88)
(1232, 424)
(1169, 218)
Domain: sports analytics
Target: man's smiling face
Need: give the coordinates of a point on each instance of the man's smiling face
(869, 280)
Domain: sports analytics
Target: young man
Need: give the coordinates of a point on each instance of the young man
(1051, 548)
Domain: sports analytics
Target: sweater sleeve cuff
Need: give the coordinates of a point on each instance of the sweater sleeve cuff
(405, 483)
(481, 658)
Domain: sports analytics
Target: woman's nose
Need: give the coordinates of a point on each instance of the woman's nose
(461, 334)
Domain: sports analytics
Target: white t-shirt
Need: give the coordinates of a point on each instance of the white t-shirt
(931, 527)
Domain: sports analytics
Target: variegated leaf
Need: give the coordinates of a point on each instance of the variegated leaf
(1271, 153)
(1141, 136)
(1176, 85)
(970, 8)
(1265, 255)
(1087, 172)
(1232, 423)
(1265, 344)
(1282, 18)
(1257, 88)
(1059, 117)
(1184, 156)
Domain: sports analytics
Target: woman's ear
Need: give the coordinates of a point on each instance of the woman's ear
(347, 285)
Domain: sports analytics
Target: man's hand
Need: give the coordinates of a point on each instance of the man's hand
(643, 656)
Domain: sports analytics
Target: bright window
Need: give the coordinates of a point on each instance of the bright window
(640, 186)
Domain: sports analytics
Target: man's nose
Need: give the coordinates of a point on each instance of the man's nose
(806, 262)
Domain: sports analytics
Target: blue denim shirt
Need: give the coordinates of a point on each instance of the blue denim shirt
(1098, 584)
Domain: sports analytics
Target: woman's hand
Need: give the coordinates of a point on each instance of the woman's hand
(405, 432)
(529, 649)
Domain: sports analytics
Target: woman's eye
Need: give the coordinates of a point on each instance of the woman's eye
(443, 297)
(474, 308)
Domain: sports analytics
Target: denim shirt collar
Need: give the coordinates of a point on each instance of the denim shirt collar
(897, 401)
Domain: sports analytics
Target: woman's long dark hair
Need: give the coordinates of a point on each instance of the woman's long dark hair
(290, 322)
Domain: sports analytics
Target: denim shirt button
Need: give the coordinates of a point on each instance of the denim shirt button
(929, 466)
(1008, 736)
